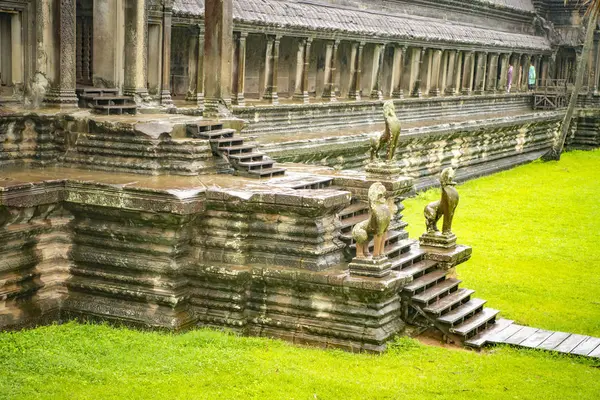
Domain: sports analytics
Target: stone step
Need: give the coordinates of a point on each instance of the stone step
(425, 282)
(247, 157)
(266, 173)
(86, 91)
(474, 325)
(348, 223)
(463, 312)
(315, 183)
(353, 210)
(434, 293)
(95, 97)
(480, 339)
(257, 165)
(245, 148)
(227, 142)
(115, 109)
(447, 302)
(405, 260)
(418, 269)
(216, 133)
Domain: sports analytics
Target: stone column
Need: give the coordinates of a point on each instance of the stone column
(416, 68)
(435, 69)
(453, 69)
(218, 47)
(501, 86)
(480, 72)
(240, 76)
(468, 73)
(330, 71)
(63, 91)
(492, 73)
(425, 71)
(165, 91)
(105, 44)
(597, 68)
(377, 70)
(397, 72)
(356, 70)
(136, 50)
(544, 72)
(192, 67)
(303, 64)
(444, 69)
(271, 67)
(79, 50)
(86, 62)
(16, 50)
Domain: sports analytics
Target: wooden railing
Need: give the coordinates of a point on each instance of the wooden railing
(550, 96)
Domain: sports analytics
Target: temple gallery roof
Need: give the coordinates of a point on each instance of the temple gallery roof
(522, 5)
(312, 15)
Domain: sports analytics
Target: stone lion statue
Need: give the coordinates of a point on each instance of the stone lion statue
(445, 206)
(381, 212)
(390, 135)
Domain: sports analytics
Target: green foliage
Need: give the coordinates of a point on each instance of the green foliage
(533, 230)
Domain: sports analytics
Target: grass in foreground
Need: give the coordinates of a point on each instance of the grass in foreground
(534, 234)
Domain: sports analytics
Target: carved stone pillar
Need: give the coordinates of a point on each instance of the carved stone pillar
(444, 69)
(303, 64)
(378, 55)
(192, 67)
(63, 91)
(492, 73)
(434, 75)
(330, 71)
(218, 47)
(504, 60)
(453, 69)
(417, 68)
(480, 72)
(79, 50)
(16, 49)
(136, 50)
(271, 67)
(356, 70)
(596, 68)
(468, 73)
(200, 71)
(240, 76)
(544, 72)
(165, 91)
(397, 72)
(425, 71)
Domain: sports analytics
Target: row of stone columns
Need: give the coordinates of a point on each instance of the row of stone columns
(415, 71)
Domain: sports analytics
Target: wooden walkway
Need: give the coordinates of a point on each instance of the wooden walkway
(506, 332)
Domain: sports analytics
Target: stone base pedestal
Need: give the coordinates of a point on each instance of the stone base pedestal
(374, 267)
(448, 258)
(382, 169)
(354, 95)
(63, 98)
(438, 239)
(376, 95)
(303, 97)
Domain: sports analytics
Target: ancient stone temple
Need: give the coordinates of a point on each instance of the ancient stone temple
(181, 163)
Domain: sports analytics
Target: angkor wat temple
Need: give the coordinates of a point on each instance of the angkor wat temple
(132, 131)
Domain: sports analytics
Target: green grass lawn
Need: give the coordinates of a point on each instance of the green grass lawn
(534, 231)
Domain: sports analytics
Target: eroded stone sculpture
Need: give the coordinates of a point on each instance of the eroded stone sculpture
(389, 136)
(381, 212)
(445, 208)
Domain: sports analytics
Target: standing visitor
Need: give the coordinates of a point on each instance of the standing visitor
(510, 76)
(532, 77)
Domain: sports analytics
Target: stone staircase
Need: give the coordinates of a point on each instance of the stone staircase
(106, 101)
(244, 157)
(432, 298)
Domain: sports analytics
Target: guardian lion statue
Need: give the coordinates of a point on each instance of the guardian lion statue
(381, 212)
(445, 206)
(390, 135)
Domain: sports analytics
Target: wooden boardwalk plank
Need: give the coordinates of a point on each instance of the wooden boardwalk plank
(587, 346)
(570, 343)
(554, 340)
(595, 353)
(537, 338)
(482, 338)
(521, 336)
(505, 334)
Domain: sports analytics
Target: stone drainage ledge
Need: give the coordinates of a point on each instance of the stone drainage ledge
(126, 196)
(306, 203)
(424, 101)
